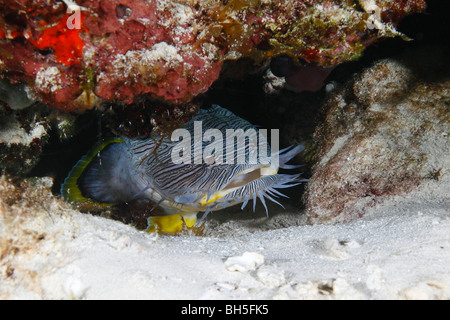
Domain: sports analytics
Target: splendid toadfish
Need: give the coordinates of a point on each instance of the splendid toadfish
(199, 173)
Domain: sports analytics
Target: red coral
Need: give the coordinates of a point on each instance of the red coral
(171, 50)
(9, 34)
(66, 43)
(395, 11)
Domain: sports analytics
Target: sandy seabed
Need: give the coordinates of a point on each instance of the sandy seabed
(399, 250)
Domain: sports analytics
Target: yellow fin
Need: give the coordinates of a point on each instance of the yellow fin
(171, 224)
(190, 219)
(214, 197)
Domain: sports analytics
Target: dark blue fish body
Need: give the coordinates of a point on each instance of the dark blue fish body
(124, 170)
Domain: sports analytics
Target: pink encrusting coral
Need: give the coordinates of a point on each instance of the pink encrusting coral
(74, 54)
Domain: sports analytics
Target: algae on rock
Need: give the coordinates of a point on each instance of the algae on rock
(384, 134)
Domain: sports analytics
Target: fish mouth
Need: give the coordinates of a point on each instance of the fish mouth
(240, 180)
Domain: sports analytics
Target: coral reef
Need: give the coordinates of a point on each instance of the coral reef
(22, 137)
(384, 134)
(24, 133)
(298, 77)
(76, 54)
(17, 96)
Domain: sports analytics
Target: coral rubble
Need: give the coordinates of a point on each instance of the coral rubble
(24, 133)
(75, 54)
(384, 134)
(26, 210)
(22, 137)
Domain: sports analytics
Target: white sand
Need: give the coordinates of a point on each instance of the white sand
(400, 250)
